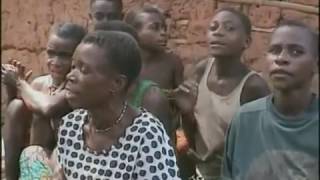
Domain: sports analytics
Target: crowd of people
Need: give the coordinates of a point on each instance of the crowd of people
(115, 104)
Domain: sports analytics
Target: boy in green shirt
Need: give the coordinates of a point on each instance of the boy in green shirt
(277, 137)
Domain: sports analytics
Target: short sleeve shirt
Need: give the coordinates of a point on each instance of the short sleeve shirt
(264, 144)
(143, 152)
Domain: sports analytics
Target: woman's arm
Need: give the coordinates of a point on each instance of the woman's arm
(9, 73)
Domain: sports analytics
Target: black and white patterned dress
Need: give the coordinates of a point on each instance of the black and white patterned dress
(142, 153)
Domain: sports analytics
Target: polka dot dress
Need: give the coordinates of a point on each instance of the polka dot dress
(142, 153)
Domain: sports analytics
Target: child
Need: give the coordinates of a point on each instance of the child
(224, 84)
(62, 42)
(159, 66)
(143, 93)
(105, 10)
(277, 137)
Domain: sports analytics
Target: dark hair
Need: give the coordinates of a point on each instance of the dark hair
(242, 17)
(116, 25)
(313, 35)
(69, 31)
(121, 51)
(118, 3)
(131, 16)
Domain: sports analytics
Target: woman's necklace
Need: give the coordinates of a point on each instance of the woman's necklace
(124, 109)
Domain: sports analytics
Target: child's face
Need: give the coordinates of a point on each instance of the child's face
(102, 10)
(59, 55)
(152, 34)
(226, 35)
(290, 59)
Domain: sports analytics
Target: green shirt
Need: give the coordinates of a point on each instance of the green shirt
(266, 145)
(142, 87)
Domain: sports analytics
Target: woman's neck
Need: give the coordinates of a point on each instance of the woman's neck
(228, 66)
(292, 102)
(105, 116)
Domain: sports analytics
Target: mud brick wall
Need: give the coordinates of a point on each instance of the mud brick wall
(26, 24)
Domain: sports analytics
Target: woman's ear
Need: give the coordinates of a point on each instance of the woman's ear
(120, 83)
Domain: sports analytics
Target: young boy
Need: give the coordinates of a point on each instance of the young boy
(62, 42)
(159, 66)
(277, 137)
(105, 10)
(220, 85)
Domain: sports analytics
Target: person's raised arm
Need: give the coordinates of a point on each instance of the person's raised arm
(37, 101)
(41, 103)
(6, 69)
(185, 97)
(11, 93)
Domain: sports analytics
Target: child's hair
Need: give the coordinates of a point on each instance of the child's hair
(243, 18)
(121, 51)
(131, 16)
(69, 31)
(314, 36)
(118, 3)
(116, 25)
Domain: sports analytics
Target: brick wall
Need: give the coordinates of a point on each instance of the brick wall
(26, 23)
